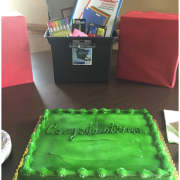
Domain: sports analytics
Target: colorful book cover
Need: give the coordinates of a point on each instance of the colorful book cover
(110, 7)
(106, 18)
(92, 17)
(102, 13)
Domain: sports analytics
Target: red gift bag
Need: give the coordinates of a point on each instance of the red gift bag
(16, 60)
(148, 48)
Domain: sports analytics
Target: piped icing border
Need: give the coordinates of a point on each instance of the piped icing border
(175, 173)
(25, 152)
(167, 170)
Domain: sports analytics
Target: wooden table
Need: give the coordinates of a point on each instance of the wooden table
(23, 104)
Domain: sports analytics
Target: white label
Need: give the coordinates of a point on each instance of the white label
(82, 56)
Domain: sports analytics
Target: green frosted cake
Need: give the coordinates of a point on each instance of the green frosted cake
(110, 143)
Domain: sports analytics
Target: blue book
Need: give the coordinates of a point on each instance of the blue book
(105, 18)
(92, 18)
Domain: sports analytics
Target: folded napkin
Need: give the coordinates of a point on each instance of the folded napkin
(172, 125)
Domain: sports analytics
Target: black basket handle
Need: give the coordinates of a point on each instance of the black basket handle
(81, 42)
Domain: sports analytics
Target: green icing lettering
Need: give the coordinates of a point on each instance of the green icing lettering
(58, 132)
(86, 131)
(53, 126)
(81, 131)
(65, 131)
(69, 131)
(115, 128)
(74, 134)
(91, 130)
(111, 128)
(106, 130)
(101, 128)
(121, 129)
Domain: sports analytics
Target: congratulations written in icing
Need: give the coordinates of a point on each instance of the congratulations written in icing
(52, 129)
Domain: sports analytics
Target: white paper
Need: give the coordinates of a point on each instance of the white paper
(81, 4)
(171, 117)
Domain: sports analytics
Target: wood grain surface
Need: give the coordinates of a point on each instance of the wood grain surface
(36, 28)
(23, 104)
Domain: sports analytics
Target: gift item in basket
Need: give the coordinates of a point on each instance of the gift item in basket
(96, 30)
(92, 30)
(59, 28)
(54, 27)
(92, 18)
(148, 48)
(96, 10)
(103, 12)
(50, 27)
(82, 54)
(78, 33)
(100, 32)
(79, 24)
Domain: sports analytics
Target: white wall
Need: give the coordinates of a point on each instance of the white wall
(35, 11)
